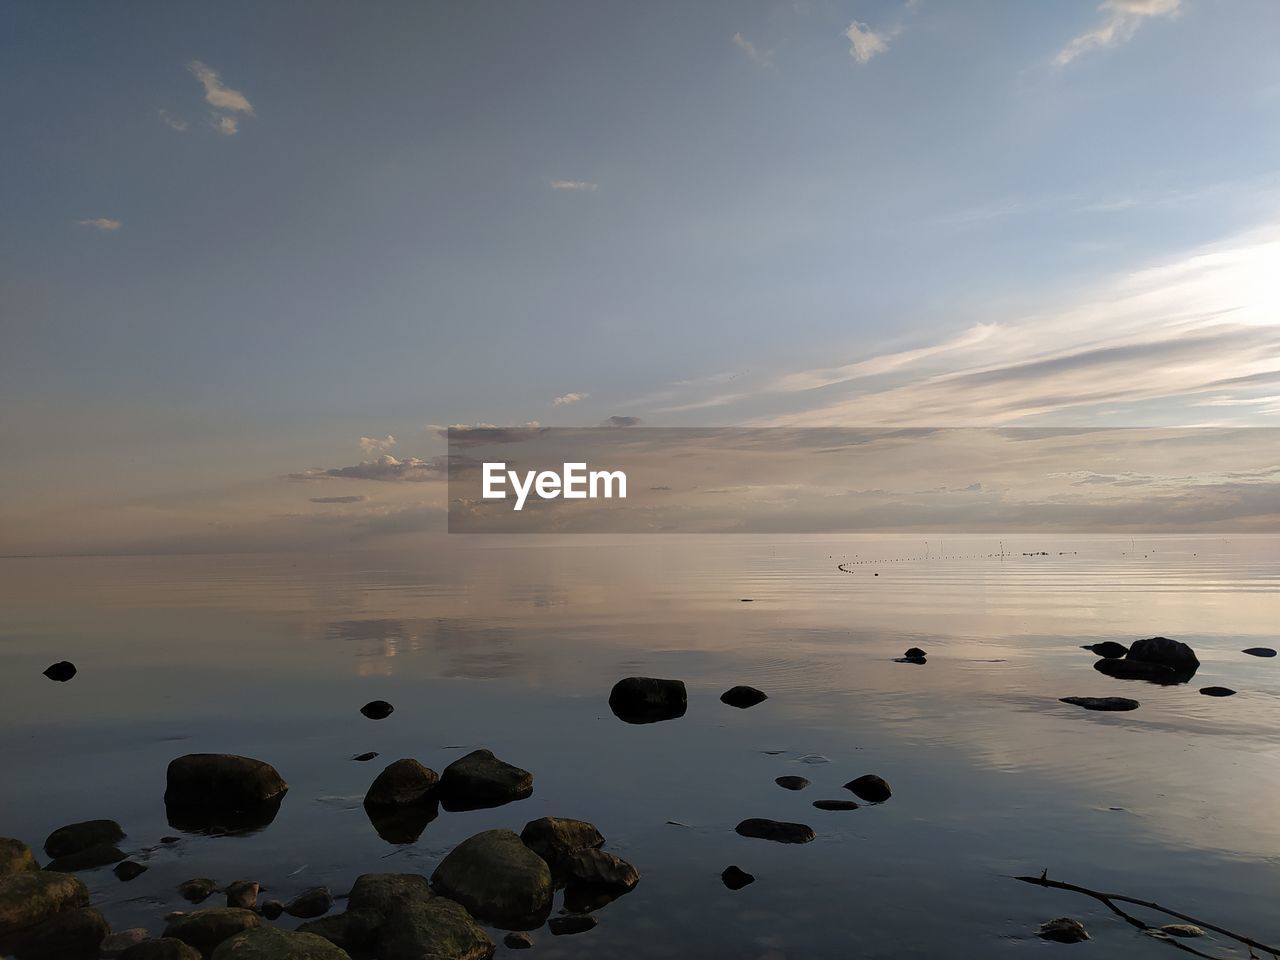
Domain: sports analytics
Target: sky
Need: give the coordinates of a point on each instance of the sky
(245, 243)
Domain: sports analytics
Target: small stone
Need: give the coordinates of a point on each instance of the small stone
(243, 894)
(735, 878)
(364, 757)
(835, 805)
(567, 926)
(117, 943)
(1217, 691)
(778, 831)
(743, 697)
(1108, 649)
(404, 783)
(165, 948)
(1102, 703)
(377, 709)
(648, 699)
(792, 783)
(75, 837)
(271, 909)
(517, 940)
(1260, 652)
(1063, 930)
(198, 890)
(128, 870)
(311, 903)
(914, 653)
(60, 672)
(870, 788)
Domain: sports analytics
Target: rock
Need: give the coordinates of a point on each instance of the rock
(221, 792)
(870, 788)
(206, 929)
(792, 783)
(32, 896)
(481, 780)
(555, 839)
(1108, 649)
(1063, 930)
(1136, 670)
(648, 700)
(354, 932)
(1102, 703)
(380, 893)
(743, 697)
(401, 825)
(117, 943)
(435, 929)
(266, 943)
(61, 672)
(377, 709)
(835, 805)
(498, 879)
(1217, 691)
(166, 948)
(243, 894)
(1259, 652)
(777, 830)
(735, 878)
(311, 903)
(75, 837)
(404, 783)
(362, 757)
(197, 891)
(517, 940)
(593, 867)
(128, 870)
(567, 926)
(271, 909)
(67, 935)
(91, 859)
(1170, 653)
(1182, 930)
(914, 653)
(15, 857)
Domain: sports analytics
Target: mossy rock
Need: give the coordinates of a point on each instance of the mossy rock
(437, 929)
(267, 943)
(15, 857)
(207, 929)
(498, 879)
(32, 896)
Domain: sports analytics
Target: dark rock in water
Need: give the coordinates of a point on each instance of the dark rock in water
(915, 653)
(438, 927)
(266, 943)
(648, 700)
(198, 890)
(778, 831)
(915, 660)
(1102, 703)
(743, 697)
(835, 805)
(1063, 930)
(735, 878)
(15, 857)
(1136, 670)
(117, 943)
(129, 870)
(480, 780)
(1108, 649)
(1170, 653)
(311, 903)
(363, 757)
(870, 788)
(517, 940)
(556, 839)
(567, 926)
(206, 929)
(165, 948)
(68, 935)
(377, 709)
(102, 855)
(498, 879)
(1260, 652)
(596, 868)
(1217, 691)
(243, 894)
(33, 896)
(271, 909)
(62, 671)
(75, 837)
(401, 825)
(404, 783)
(380, 893)
(792, 783)
(222, 793)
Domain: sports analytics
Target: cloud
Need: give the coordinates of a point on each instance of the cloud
(172, 122)
(1121, 19)
(568, 398)
(865, 43)
(338, 499)
(385, 468)
(621, 422)
(226, 125)
(375, 445)
(761, 58)
(216, 94)
(585, 186)
(104, 224)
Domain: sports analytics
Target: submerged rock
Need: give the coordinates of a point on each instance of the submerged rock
(1108, 649)
(835, 805)
(221, 792)
(206, 929)
(311, 903)
(792, 783)
(556, 839)
(60, 672)
(128, 870)
(435, 929)
(1171, 653)
(1259, 652)
(243, 894)
(1063, 930)
(648, 699)
(165, 948)
(778, 831)
(743, 697)
(16, 857)
(32, 896)
(198, 890)
(498, 879)
(67, 935)
(76, 837)
(481, 780)
(735, 878)
(377, 709)
(266, 943)
(404, 783)
(870, 788)
(1217, 691)
(567, 926)
(1102, 703)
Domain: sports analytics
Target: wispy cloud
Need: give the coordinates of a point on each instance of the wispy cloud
(172, 122)
(385, 468)
(226, 125)
(105, 224)
(761, 58)
(377, 444)
(586, 186)
(338, 499)
(865, 43)
(216, 93)
(1121, 19)
(568, 398)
